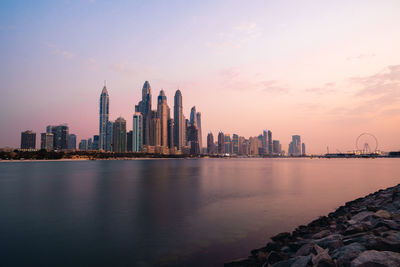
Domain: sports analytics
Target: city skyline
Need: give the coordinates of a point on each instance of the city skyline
(246, 68)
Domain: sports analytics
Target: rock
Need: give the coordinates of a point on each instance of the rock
(355, 228)
(301, 261)
(306, 249)
(286, 263)
(388, 241)
(361, 215)
(346, 254)
(274, 257)
(332, 241)
(383, 214)
(281, 237)
(377, 258)
(321, 234)
(322, 258)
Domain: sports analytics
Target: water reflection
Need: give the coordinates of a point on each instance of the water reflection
(168, 212)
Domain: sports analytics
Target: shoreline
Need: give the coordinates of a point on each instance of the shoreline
(363, 232)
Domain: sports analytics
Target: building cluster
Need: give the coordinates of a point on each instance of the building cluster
(153, 131)
(261, 145)
(159, 131)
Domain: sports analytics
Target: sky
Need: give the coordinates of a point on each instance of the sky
(325, 70)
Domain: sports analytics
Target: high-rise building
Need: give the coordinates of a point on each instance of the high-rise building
(276, 147)
(200, 136)
(170, 133)
(109, 136)
(137, 135)
(144, 107)
(295, 146)
(269, 142)
(119, 135)
(60, 133)
(241, 147)
(90, 144)
(155, 132)
(178, 120)
(46, 141)
(221, 143)
(264, 142)
(228, 144)
(210, 143)
(103, 119)
(303, 149)
(193, 117)
(95, 145)
(129, 139)
(235, 144)
(83, 145)
(28, 140)
(71, 141)
(193, 139)
(162, 114)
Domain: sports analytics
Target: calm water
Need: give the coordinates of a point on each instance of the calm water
(168, 212)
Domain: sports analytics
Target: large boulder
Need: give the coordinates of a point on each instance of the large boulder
(346, 254)
(376, 258)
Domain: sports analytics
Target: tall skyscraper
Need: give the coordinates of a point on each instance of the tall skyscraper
(228, 144)
(264, 142)
(109, 136)
(103, 119)
(46, 141)
(235, 144)
(95, 145)
(178, 120)
(193, 117)
(28, 140)
(162, 113)
(295, 146)
(144, 107)
(198, 117)
(119, 135)
(71, 141)
(221, 143)
(303, 149)
(90, 144)
(269, 142)
(210, 143)
(193, 139)
(276, 147)
(137, 135)
(155, 135)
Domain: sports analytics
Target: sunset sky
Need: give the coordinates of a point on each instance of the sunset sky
(326, 70)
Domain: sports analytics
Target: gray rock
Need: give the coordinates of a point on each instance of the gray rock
(301, 261)
(376, 258)
(361, 215)
(321, 234)
(346, 254)
(322, 258)
(286, 263)
(305, 250)
(383, 214)
(332, 241)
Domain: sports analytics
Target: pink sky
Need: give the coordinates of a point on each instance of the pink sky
(325, 71)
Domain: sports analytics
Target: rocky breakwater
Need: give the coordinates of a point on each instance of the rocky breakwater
(364, 232)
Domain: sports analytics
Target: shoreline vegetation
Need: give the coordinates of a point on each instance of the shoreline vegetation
(364, 232)
(20, 155)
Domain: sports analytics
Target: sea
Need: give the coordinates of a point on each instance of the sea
(169, 212)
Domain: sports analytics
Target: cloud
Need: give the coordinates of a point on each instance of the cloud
(361, 57)
(55, 50)
(245, 27)
(322, 90)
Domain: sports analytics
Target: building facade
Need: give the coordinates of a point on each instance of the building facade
(119, 135)
(178, 120)
(103, 119)
(28, 140)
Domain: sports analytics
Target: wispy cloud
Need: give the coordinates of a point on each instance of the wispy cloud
(322, 90)
(55, 50)
(361, 57)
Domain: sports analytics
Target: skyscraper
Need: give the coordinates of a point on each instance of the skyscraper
(221, 143)
(235, 144)
(198, 117)
(162, 113)
(264, 142)
(171, 133)
(155, 135)
(295, 146)
(129, 139)
(28, 140)
(269, 142)
(276, 147)
(228, 144)
(95, 145)
(46, 141)
(193, 117)
(193, 139)
(60, 133)
(71, 141)
(210, 143)
(178, 120)
(144, 107)
(83, 145)
(303, 149)
(103, 119)
(109, 136)
(119, 135)
(137, 135)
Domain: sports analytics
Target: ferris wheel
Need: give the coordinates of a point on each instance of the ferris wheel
(366, 143)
